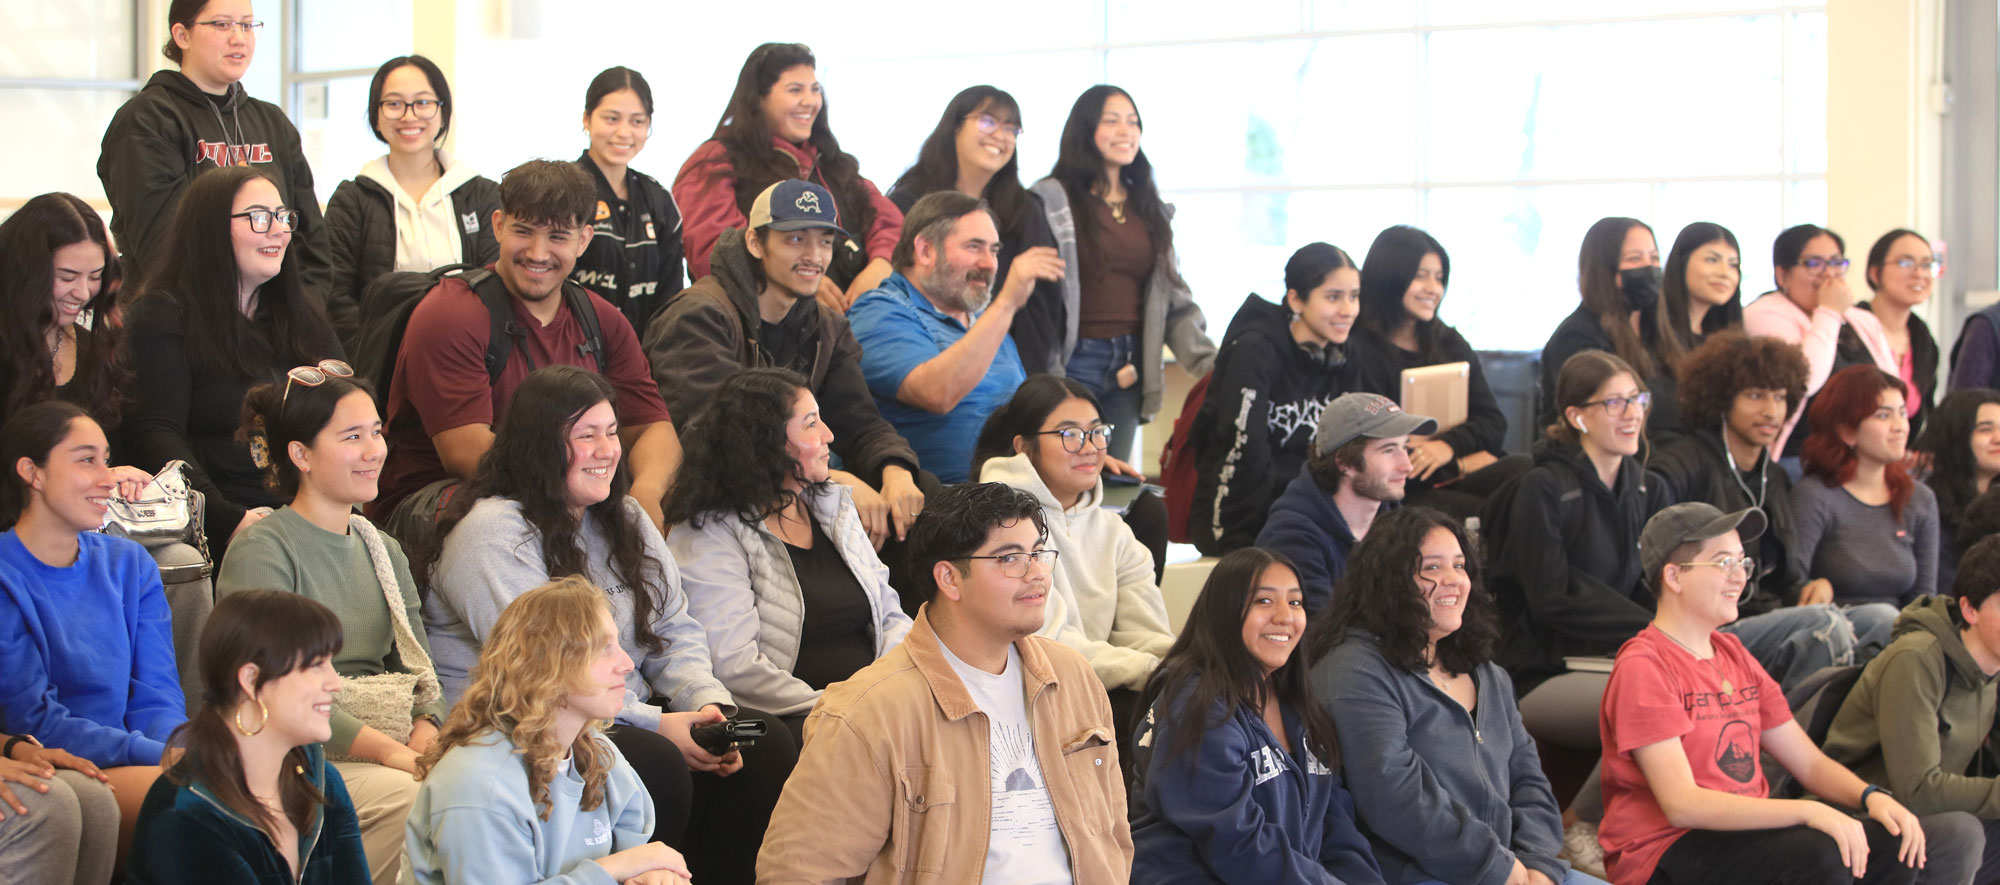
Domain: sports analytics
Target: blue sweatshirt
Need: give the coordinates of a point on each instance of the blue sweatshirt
(1239, 808)
(90, 666)
(474, 821)
(185, 836)
(1307, 528)
(1443, 793)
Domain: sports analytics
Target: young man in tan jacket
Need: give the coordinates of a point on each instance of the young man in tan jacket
(972, 752)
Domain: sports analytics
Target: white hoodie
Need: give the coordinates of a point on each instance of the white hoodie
(426, 227)
(1105, 603)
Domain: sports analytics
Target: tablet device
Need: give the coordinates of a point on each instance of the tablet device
(1439, 392)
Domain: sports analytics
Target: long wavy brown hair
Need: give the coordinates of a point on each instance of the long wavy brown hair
(536, 655)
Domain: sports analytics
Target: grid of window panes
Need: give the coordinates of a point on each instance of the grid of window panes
(75, 44)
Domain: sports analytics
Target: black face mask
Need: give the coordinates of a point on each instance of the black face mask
(1641, 286)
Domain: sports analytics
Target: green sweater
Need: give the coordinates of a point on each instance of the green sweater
(1915, 720)
(284, 551)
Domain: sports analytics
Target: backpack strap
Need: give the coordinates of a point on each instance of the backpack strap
(580, 306)
(502, 330)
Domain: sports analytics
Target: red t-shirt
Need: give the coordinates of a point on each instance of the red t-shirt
(441, 381)
(1658, 691)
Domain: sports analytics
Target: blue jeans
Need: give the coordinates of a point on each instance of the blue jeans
(1095, 364)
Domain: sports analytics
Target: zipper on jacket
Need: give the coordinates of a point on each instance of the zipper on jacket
(319, 823)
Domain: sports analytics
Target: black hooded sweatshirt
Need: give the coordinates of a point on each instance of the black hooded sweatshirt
(1699, 468)
(1571, 584)
(1255, 427)
(172, 131)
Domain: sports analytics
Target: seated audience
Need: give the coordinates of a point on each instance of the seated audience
(634, 256)
(1403, 282)
(551, 500)
(252, 798)
(58, 285)
(1359, 468)
(522, 784)
(755, 308)
(444, 401)
(1618, 271)
(414, 208)
(934, 344)
(896, 756)
(89, 649)
(774, 558)
(972, 151)
(1237, 768)
(319, 440)
(1901, 269)
(1736, 393)
(1917, 720)
(1687, 721)
(1405, 668)
(1050, 442)
(1701, 292)
(1814, 309)
(1962, 443)
(64, 818)
(775, 127)
(223, 309)
(1279, 366)
(1861, 522)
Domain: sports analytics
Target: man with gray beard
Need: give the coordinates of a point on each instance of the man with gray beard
(934, 344)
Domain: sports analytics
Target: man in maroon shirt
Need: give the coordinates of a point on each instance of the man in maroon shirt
(443, 403)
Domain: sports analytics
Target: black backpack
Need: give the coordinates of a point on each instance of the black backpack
(389, 299)
(1497, 514)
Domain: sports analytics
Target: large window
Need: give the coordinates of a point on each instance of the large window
(59, 89)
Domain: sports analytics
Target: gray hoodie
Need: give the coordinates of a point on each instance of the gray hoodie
(1442, 793)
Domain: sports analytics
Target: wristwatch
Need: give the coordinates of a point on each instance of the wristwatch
(7, 750)
(1871, 790)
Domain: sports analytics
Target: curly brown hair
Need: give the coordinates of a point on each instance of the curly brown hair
(1731, 362)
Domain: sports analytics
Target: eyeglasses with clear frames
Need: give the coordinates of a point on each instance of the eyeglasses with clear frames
(223, 25)
(1615, 405)
(260, 219)
(395, 108)
(1745, 565)
(1015, 565)
(1073, 437)
(988, 123)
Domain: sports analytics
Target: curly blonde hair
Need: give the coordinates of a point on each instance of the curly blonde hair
(536, 655)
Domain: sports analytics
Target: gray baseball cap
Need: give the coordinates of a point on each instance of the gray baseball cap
(1691, 523)
(1371, 415)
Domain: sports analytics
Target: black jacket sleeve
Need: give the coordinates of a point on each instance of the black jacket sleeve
(144, 167)
(346, 232)
(1485, 427)
(481, 197)
(1039, 327)
(1560, 597)
(673, 254)
(1234, 487)
(866, 441)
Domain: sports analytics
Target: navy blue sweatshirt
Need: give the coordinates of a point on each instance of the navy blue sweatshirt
(1239, 807)
(1307, 528)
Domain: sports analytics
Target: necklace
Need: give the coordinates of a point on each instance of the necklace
(1726, 687)
(1117, 209)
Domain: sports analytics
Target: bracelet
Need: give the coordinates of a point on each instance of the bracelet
(1871, 790)
(7, 750)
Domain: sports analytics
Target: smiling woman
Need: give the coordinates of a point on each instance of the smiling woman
(634, 258)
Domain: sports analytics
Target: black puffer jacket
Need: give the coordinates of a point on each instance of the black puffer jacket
(1698, 468)
(1570, 583)
(1255, 427)
(361, 235)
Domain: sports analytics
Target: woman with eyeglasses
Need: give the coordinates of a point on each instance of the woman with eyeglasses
(1814, 309)
(633, 259)
(1051, 442)
(1901, 271)
(224, 311)
(188, 122)
(1861, 521)
(776, 562)
(414, 208)
(318, 438)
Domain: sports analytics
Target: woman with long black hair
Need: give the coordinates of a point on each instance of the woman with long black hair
(1962, 440)
(1123, 294)
(58, 284)
(633, 259)
(774, 128)
(1701, 291)
(1618, 271)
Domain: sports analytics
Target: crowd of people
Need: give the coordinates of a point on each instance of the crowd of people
(574, 527)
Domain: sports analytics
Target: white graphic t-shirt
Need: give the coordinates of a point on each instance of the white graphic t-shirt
(1024, 847)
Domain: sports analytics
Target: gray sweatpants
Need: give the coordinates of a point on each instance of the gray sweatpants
(70, 833)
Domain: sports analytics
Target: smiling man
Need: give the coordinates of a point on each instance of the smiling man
(444, 400)
(972, 752)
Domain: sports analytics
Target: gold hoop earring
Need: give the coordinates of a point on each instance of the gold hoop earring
(266, 714)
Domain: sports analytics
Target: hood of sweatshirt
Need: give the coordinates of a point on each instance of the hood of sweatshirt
(1630, 475)
(1017, 471)
(1304, 498)
(455, 174)
(1259, 317)
(1932, 614)
(179, 86)
(730, 263)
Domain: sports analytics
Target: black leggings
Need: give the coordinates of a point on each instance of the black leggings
(1789, 856)
(716, 822)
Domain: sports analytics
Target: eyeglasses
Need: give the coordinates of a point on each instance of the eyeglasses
(1819, 264)
(313, 376)
(1746, 565)
(1015, 565)
(223, 25)
(1073, 437)
(395, 108)
(1929, 266)
(1615, 405)
(260, 219)
(987, 123)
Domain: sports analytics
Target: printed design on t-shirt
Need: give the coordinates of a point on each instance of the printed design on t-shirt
(600, 832)
(1290, 418)
(1737, 746)
(225, 154)
(1022, 812)
(603, 210)
(1736, 752)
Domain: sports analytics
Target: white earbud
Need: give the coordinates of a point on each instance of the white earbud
(1580, 428)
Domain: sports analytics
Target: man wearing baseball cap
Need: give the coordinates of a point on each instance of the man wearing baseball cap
(754, 309)
(1686, 720)
(1356, 470)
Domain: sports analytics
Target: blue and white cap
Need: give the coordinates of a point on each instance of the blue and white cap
(793, 204)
